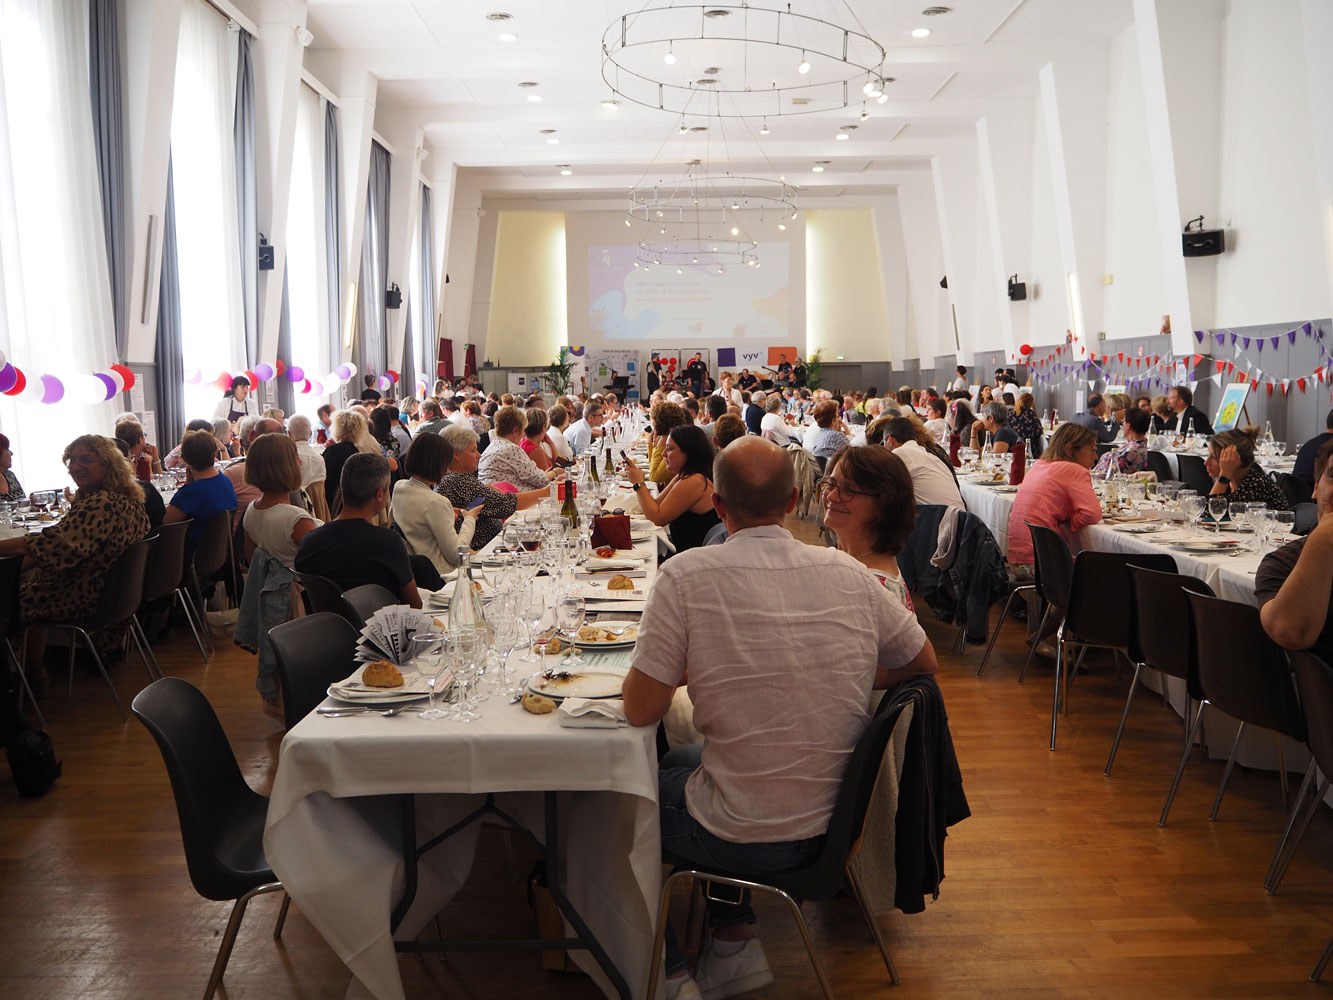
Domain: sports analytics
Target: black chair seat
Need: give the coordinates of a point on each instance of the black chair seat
(369, 598)
(1158, 464)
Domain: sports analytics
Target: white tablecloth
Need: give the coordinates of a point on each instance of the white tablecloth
(332, 834)
(993, 508)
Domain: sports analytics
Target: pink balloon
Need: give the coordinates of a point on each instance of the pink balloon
(316, 387)
(53, 390)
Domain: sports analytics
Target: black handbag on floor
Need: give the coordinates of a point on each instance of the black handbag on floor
(32, 759)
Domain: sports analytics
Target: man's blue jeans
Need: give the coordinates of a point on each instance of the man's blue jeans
(687, 844)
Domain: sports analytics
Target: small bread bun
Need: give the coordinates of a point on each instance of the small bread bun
(551, 647)
(537, 704)
(620, 582)
(381, 674)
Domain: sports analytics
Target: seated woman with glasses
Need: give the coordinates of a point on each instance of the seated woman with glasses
(869, 504)
(1056, 493)
(685, 505)
(65, 565)
(1236, 475)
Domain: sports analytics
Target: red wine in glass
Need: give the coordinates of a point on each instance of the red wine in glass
(532, 544)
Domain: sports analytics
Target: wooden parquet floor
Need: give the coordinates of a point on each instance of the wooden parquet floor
(1060, 885)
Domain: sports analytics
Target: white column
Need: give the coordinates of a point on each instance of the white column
(461, 266)
(893, 274)
(966, 248)
(1004, 147)
(932, 321)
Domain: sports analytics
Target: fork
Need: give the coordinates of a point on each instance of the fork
(338, 713)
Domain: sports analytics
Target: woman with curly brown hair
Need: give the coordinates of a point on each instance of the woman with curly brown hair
(666, 417)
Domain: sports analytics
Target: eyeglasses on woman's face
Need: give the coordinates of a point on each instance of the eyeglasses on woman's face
(834, 488)
(85, 459)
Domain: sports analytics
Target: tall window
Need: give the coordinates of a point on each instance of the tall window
(55, 298)
(204, 171)
(307, 253)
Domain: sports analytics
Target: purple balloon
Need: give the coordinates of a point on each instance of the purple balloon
(263, 371)
(110, 384)
(295, 374)
(343, 372)
(9, 376)
(52, 389)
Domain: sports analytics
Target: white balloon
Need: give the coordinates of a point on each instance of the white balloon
(85, 390)
(352, 367)
(34, 390)
(116, 377)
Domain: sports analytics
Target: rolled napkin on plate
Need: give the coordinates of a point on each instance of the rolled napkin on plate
(588, 713)
(619, 562)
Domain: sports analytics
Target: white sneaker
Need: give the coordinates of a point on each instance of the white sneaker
(682, 989)
(726, 976)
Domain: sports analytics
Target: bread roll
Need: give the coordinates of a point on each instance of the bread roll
(537, 704)
(381, 674)
(620, 582)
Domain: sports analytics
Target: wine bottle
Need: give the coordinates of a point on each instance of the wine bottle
(465, 603)
(569, 510)
(955, 441)
(592, 468)
(1019, 466)
(610, 463)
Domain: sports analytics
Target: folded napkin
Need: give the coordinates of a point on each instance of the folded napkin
(616, 562)
(589, 713)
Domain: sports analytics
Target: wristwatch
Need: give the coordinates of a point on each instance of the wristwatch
(1225, 482)
(637, 487)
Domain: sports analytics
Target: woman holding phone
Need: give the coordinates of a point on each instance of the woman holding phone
(426, 518)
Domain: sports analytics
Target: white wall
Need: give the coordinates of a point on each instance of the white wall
(847, 314)
(527, 318)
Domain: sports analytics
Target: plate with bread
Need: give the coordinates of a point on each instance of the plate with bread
(381, 682)
(608, 634)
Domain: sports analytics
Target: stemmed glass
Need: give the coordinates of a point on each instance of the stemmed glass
(510, 635)
(1282, 523)
(570, 611)
(1217, 509)
(1193, 506)
(532, 609)
(1279, 447)
(464, 648)
(513, 536)
(428, 658)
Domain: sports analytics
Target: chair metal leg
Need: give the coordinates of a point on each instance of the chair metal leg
(229, 936)
(1124, 717)
(1323, 961)
(1277, 876)
(659, 939)
(141, 644)
(1282, 771)
(1184, 759)
(1000, 624)
(26, 687)
(1226, 774)
(874, 927)
(809, 945)
(282, 917)
(188, 607)
(1291, 822)
(97, 658)
(1035, 640)
(69, 693)
(1060, 654)
(202, 612)
(145, 644)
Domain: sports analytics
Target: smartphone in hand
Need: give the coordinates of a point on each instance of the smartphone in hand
(476, 503)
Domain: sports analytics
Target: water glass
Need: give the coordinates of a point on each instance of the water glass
(463, 653)
(1217, 508)
(1193, 506)
(428, 660)
(532, 610)
(1281, 523)
(570, 612)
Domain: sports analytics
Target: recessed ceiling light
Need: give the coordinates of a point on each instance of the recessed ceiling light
(883, 98)
(735, 231)
(818, 168)
(920, 32)
(508, 36)
(552, 141)
(782, 225)
(534, 98)
(842, 137)
(564, 169)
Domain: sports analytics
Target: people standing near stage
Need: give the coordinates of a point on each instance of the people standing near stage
(696, 371)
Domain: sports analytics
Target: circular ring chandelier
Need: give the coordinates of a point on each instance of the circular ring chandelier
(836, 66)
(700, 220)
(709, 255)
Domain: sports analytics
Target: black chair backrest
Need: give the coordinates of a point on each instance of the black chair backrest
(1103, 447)
(325, 595)
(211, 552)
(1158, 464)
(1052, 564)
(1293, 489)
(1194, 474)
(1307, 516)
(1314, 684)
(369, 598)
(10, 569)
(1099, 604)
(213, 802)
(823, 877)
(1241, 670)
(122, 588)
(166, 561)
(1159, 615)
(312, 653)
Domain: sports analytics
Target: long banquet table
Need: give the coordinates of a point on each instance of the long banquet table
(333, 832)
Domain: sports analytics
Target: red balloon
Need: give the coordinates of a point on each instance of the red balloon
(254, 379)
(20, 383)
(279, 367)
(393, 375)
(1025, 350)
(125, 373)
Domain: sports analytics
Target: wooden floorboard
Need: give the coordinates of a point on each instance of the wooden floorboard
(1061, 884)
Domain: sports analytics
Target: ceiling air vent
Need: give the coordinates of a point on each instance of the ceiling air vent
(717, 12)
(499, 15)
(937, 11)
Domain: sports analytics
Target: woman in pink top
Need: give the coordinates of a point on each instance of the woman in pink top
(1056, 493)
(535, 441)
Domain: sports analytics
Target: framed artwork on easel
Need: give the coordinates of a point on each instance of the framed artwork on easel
(1231, 405)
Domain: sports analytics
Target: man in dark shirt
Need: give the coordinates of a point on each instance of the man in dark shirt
(1181, 400)
(784, 370)
(1094, 419)
(1304, 467)
(1294, 585)
(799, 376)
(753, 412)
(696, 371)
(352, 550)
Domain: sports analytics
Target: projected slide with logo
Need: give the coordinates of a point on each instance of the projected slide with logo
(742, 303)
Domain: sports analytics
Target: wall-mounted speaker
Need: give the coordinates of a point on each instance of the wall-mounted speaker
(265, 255)
(944, 282)
(1196, 241)
(393, 298)
(1018, 291)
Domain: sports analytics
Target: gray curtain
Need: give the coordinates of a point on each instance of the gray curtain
(371, 350)
(109, 139)
(407, 373)
(243, 128)
(426, 350)
(286, 389)
(169, 372)
(333, 232)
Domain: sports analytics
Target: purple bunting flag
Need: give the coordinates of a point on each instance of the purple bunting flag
(1276, 341)
(1198, 335)
(1246, 342)
(1291, 334)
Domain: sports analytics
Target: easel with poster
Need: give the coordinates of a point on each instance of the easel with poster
(1231, 407)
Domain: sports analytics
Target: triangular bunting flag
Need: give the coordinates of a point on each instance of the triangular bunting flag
(1276, 340)
(1300, 383)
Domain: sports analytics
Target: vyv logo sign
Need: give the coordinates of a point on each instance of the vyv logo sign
(750, 355)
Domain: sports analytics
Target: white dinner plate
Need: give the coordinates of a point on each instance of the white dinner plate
(386, 697)
(1139, 529)
(626, 639)
(563, 684)
(1206, 548)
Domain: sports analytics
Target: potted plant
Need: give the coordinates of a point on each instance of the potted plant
(814, 368)
(560, 372)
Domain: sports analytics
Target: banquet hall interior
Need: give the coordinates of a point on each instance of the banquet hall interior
(321, 202)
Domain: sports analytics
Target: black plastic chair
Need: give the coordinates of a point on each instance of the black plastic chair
(221, 817)
(10, 570)
(162, 579)
(827, 874)
(1293, 489)
(1307, 516)
(1159, 635)
(1245, 674)
(324, 595)
(1158, 464)
(312, 653)
(1314, 685)
(121, 590)
(369, 598)
(1096, 602)
(1018, 588)
(1194, 474)
(212, 557)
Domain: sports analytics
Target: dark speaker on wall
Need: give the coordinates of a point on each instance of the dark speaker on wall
(1018, 291)
(265, 255)
(393, 298)
(1196, 241)
(944, 282)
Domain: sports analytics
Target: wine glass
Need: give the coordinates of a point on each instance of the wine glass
(532, 609)
(1279, 448)
(428, 659)
(510, 636)
(1283, 523)
(570, 611)
(1193, 506)
(1217, 509)
(463, 645)
(1238, 511)
(513, 536)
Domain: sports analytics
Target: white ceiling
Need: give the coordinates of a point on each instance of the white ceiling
(441, 63)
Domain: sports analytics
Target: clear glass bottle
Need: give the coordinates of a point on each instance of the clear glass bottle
(569, 509)
(465, 609)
